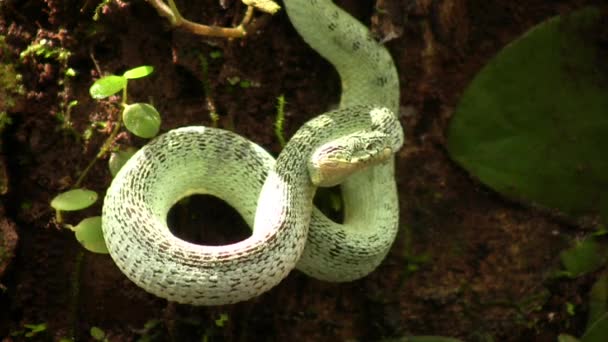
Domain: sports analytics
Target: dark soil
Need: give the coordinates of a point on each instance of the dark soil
(466, 263)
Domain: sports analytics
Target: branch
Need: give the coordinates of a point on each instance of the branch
(175, 18)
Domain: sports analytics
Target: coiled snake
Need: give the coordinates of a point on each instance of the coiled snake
(353, 145)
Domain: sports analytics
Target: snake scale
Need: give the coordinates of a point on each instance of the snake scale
(352, 145)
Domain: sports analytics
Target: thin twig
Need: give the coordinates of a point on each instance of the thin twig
(163, 10)
(248, 16)
(175, 11)
(75, 295)
(175, 18)
(104, 149)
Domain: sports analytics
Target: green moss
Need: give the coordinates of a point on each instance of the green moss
(45, 49)
(10, 84)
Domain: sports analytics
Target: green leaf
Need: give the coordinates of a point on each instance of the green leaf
(597, 331)
(107, 86)
(119, 158)
(70, 72)
(598, 308)
(570, 309)
(76, 199)
(586, 256)
(221, 320)
(532, 124)
(151, 324)
(422, 339)
(245, 84)
(34, 329)
(97, 333)
(90, 235)
(141, 119)
(215, 54)
(141, 71)
(601, 230)
(566, 338)
(233, 80)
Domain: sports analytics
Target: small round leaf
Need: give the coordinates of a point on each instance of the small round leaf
(141, 119)
(97, 333)
(141, 71)
(119, 158)
(76, 199)
(89, 234)
(107, 86)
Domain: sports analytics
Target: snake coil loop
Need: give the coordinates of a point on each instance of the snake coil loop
(352, 146)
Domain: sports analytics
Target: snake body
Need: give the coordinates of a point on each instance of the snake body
(275, 198)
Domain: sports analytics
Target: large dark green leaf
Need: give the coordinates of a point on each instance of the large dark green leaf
(597, 324)
(422, 339)
(533, 124)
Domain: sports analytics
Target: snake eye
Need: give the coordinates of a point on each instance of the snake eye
(370, 146)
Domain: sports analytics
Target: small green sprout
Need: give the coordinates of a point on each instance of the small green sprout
(215, 54)
(45, 49)
(221, 320)
(280, 120)
(570, 309)
(141, 119)
(244, 84)
(30, 330)
(151, 331)
(233, 80)
(66, 118)
(97, 334)
(34, 329)
(99, 9)
(72, 104)
(69, 72)
(112, 84)
(215, 117)
(95, 125)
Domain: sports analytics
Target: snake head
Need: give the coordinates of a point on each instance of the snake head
(333, 162)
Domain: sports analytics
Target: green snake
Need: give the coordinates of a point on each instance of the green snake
(352, 146)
